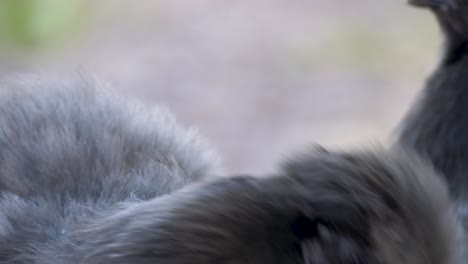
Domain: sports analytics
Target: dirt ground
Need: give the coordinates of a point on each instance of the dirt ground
(260, 79)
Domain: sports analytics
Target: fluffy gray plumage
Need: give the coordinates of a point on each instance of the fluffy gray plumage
(86, 177)
(437, 126)
(69, 151)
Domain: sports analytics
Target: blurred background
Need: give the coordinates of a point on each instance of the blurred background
(258, 78)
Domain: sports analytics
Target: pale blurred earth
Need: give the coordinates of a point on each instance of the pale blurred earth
(260, 79)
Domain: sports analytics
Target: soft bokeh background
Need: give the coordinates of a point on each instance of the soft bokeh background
(258, 78)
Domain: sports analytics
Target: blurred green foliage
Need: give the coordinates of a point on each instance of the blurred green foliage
(32, 23)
